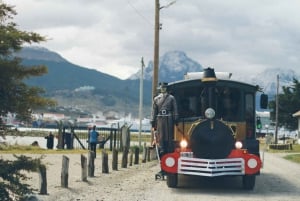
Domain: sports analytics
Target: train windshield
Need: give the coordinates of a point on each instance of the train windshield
(226, 101)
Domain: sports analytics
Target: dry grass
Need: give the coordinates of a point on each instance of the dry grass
(19, 149)
(293, 157)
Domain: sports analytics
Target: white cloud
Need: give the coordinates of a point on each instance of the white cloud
(112, 35)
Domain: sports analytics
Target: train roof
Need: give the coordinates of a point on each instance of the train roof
(221, 77)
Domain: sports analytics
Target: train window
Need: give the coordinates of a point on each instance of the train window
(185, 109)
(229, 104)
(188, 102)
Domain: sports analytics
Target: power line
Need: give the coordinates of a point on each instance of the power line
(139, 13)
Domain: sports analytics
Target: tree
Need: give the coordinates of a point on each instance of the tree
(289, 103)
(15, 96)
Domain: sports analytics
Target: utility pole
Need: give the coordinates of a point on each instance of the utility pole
(156, 50)
(157, 27)
(141, 100)
(276, 112)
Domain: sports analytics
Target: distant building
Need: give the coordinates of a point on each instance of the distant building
(53, 116)
(267, 124)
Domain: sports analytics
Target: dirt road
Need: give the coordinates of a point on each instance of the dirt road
(279, 181)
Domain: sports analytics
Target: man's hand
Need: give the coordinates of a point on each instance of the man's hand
(155, 137)
(153, 143)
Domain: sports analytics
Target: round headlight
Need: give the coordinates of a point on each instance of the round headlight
(238, 145)
(170, 162)
(183, 144)
(210, 113)
(252, 163)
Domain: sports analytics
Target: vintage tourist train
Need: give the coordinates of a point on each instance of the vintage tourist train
(215, 134)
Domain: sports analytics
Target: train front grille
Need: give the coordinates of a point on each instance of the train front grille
(211, 167)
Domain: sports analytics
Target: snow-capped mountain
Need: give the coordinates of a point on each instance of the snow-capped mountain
(267, 79)
(173, 65)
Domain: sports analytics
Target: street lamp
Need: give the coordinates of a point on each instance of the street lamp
(156, 45)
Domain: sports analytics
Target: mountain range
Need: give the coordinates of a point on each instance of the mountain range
(88, 90)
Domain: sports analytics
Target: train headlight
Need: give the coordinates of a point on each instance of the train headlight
(210, 113)
(183, 144)
(238, 144)
(170, 162)
(252, 163)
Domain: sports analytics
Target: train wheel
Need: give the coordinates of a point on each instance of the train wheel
(248, 182)
(172, 180)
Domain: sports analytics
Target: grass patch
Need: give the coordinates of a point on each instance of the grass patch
(20, 149)
(293, 157)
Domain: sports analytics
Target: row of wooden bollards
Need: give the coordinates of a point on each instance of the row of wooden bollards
(281, 146)
(88, 165)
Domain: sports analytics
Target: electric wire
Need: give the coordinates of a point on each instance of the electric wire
(139, 13)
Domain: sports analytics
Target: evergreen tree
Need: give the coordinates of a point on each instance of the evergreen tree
(15, 95)
(289, 103)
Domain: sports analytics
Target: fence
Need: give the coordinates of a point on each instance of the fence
(110, 138)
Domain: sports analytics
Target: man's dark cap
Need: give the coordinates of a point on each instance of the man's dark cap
(163, 84)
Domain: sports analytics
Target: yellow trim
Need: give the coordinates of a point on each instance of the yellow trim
(209, 79)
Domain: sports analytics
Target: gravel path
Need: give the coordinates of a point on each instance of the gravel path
(279, 181)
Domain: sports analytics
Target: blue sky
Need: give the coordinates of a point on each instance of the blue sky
(238, 36)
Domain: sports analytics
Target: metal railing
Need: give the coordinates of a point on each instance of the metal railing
(110, 138)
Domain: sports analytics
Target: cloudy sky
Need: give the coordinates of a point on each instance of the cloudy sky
(238, 36)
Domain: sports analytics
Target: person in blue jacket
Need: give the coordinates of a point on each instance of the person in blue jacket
(93, 139)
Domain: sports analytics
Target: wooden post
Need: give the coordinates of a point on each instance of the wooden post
(131, 157)
(104, 162)
(83, 168)
(43, 179)
(91, 168)
(115, 160)
(148, 154)
(65, 172)
(136, 155)
(125, 157)
(60, 140)
(152, 153)
(144, 153)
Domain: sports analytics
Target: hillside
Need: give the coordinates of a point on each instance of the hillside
(88, 90)
(85, 89)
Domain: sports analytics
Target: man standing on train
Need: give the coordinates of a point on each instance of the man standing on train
(164, 116)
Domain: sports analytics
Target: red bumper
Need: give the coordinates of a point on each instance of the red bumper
(239, 162)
